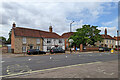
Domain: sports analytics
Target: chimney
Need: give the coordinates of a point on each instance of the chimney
(14, 25)
(50, 29)
(105, 31)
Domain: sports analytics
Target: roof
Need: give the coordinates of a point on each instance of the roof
(107, 36)
(67, 35)
(117, 38)
(27, 32)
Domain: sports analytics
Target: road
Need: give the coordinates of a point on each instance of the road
(23, 64)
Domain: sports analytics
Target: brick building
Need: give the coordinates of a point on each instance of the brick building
(66, 36)
(108, 41)
(23, 39)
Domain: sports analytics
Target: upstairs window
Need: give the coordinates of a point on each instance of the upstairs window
(38, 41)
(24, 40)
(48, 40)
(60, 40)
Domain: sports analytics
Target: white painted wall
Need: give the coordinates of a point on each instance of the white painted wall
(53, 43)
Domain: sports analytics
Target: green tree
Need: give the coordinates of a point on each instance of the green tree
(3, 39)
(9, 39)
(86, 35)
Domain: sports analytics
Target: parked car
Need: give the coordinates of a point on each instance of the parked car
(35, 51)
(57, 50)
(102, 49)
(117, 49)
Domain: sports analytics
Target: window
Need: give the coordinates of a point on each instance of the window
(48, 40)
(107, 41)
(38, 41)
(38, 47)
(48, 48)
(112, 41)
(24, 40)
(60, 40)
(24, 48)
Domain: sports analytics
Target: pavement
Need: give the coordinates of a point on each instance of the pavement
(23, 65)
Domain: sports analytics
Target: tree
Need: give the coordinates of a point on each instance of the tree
(86, 35)
(9, 39)
(3, 39)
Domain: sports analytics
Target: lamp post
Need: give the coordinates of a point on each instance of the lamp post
(71, 26)
(70, 41)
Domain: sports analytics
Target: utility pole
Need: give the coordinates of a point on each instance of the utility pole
(71, 26)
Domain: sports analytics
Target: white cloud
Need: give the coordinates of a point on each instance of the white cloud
(110, 30)
(39, 15)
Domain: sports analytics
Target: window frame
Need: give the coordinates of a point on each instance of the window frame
(24, 40)
(38, 41)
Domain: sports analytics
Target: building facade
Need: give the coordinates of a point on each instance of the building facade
(108, 41)
(66, 37)
(117, 41)
(23, 39)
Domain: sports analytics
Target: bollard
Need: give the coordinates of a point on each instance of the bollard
(112, 51)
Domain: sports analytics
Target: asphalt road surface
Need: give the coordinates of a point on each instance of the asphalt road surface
(16, 65)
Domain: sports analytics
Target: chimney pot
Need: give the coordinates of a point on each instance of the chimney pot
(50, 29)
(14, 25)
(105, 31)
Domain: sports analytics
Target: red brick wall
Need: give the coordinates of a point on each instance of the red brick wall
(12, 40)
(92, 48)
(4, 49)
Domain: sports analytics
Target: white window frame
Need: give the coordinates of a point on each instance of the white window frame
(24, 40)
(23, 48)
(48, 41)
(60, 40)
(38, 41)
(47, 48)
(38, 47)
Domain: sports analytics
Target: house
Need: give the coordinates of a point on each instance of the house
(66, 36)
(108, 41)
(117, 39)
(23, 39)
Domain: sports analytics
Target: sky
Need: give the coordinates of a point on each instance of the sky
(40, 15)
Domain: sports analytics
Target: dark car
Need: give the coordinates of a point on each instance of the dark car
(57, 50)
(102, 49)
(117, 49)
(35, 51)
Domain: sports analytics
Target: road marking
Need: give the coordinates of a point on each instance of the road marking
(2, 61)
(50, 57)
(16, 74)
(29, 59)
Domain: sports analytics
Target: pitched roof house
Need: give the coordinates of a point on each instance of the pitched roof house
(66, 36)
(108, 40)
(23, 39)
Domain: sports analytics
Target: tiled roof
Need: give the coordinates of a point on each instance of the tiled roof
(67, 35)
(27, 32)
(117, 38)
(107, 36)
